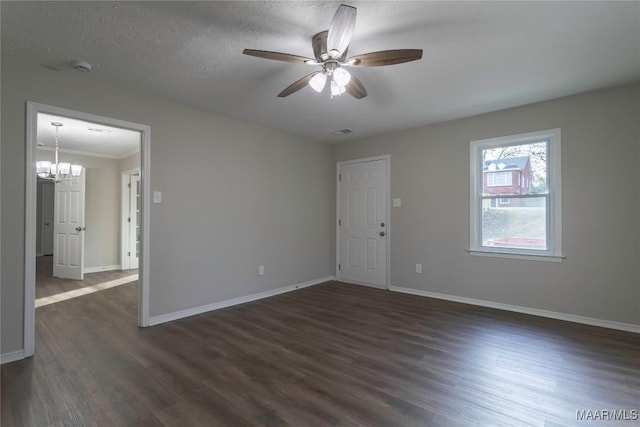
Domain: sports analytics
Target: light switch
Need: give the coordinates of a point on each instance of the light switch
(397, 203)
(419, 268)
(157, 197)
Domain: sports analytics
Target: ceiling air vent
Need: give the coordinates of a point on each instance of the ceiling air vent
(341, 132)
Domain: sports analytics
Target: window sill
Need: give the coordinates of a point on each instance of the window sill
(528, 257)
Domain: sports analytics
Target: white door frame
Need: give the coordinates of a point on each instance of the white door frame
(124, 214)
(387, 159)
(33, 109)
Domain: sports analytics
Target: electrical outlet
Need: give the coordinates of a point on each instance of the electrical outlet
(261, 270)
(419, 268)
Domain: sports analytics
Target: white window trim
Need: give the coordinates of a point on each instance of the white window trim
(554, 211)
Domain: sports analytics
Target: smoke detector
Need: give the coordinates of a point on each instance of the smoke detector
(82, 66)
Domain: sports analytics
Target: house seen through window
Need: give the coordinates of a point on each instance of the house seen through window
(515, 194)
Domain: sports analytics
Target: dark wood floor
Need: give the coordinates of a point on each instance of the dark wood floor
(332, 354)
(47, 285)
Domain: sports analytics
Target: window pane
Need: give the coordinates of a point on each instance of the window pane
(518, 223)
(515, 169)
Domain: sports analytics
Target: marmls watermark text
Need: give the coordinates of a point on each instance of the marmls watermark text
(607, 415)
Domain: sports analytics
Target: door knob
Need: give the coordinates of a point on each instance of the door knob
(382, 233)
(81, 228)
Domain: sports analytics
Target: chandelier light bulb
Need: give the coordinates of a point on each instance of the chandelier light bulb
(65, 168)
(318, 81)
(43, 167)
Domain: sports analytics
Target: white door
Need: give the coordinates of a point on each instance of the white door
(68, 230)
(362, 222)
(134, 220)
(47, 217)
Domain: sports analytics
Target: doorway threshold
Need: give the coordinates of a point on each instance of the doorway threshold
(85, 291)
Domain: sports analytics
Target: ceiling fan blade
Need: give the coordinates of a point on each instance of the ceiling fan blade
(319, 44)
(341, 29)
(384, 57)
(355, 88)
(278, 56)
(297, 85)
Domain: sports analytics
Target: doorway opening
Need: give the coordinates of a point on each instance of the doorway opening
(74, 225)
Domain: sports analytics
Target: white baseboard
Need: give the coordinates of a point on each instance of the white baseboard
(11, 357)
(155, 320)
(100, 268)
(520, 309)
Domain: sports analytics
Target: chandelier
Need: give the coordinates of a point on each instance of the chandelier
(57, 171)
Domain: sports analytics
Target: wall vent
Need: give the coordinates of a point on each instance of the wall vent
(341, 132)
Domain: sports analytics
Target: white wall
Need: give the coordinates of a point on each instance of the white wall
(102, 207)
(235, 196)
(130, 162)
(600, 277)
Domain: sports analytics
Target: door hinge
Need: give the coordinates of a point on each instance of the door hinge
(128, 253)
(128, 219)
(339, 177)
(129, 185)
(338, 267)
(339, 222)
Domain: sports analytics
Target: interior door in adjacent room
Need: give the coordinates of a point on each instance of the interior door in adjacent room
(362, 222)
(68, 254)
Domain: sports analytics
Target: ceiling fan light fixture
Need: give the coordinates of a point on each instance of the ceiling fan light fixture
(336, 89)
(318, 81)
(330, 49)
(341, 76)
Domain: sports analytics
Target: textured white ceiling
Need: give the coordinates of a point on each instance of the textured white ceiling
(478, 56)
(80, 137)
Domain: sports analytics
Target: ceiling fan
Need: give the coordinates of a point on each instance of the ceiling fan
(330, 51)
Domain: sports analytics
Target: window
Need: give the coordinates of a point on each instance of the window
(517, 217)
(498, 179)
